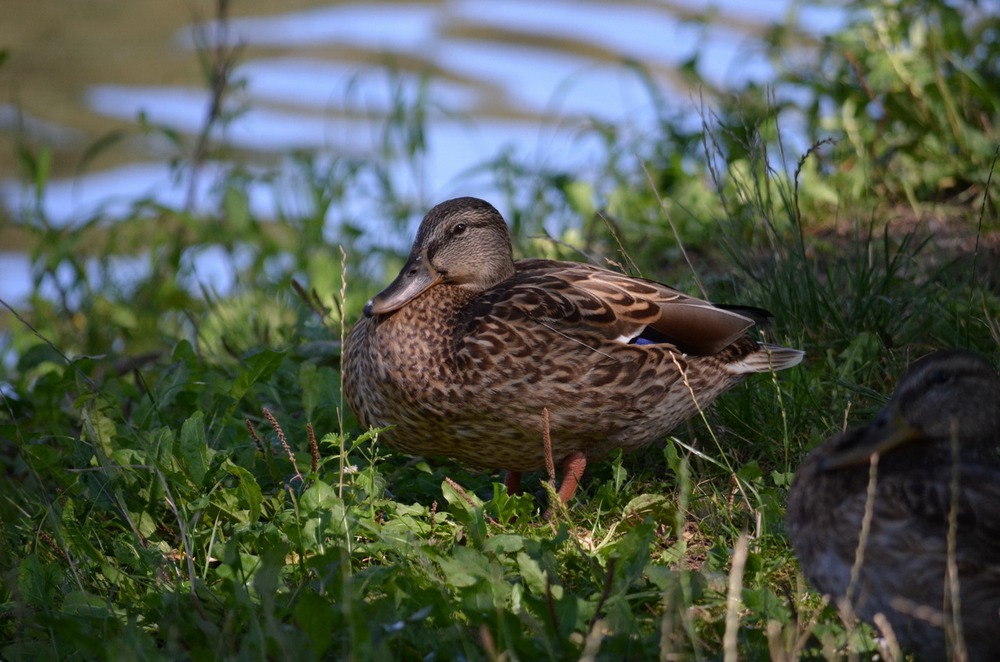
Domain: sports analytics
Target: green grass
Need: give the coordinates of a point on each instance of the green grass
(150, 508)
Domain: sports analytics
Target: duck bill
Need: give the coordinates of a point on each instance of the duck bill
(416, 276)
(885, 433)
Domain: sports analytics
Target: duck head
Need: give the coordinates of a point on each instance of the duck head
(461, 243)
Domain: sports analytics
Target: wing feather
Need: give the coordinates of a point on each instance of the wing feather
(582, 300)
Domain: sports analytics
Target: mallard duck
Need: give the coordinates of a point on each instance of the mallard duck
(940, 428)
(467, 352)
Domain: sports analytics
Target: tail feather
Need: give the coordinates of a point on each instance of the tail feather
(766, 359)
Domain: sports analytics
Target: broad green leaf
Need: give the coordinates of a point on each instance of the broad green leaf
(161, 448)
(85, 604)
(535, 578)
(657, 506)
(465, 567)
(631, 555)
(247, 488)
(194, 447)
(259, 367)
(99, 429)
(504, 543)
(319, 496)
(145, 522)
(467, 509)
(750, 472)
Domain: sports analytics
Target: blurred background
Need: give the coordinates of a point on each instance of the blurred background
(127, 101)
(162, 157)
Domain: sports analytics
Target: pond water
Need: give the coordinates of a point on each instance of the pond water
(519, 75)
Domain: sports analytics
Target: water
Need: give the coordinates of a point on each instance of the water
(519, 75)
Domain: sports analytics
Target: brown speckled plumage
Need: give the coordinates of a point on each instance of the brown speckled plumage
(463, 351)
(949, 397)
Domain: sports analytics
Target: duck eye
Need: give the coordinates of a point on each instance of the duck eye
(458, 229)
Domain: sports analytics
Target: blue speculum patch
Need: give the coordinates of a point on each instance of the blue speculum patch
(649, 336)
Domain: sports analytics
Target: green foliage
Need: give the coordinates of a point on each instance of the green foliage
(913, 90)
(181, 480)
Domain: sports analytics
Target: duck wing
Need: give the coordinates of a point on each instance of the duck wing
(928, 504)
(584, 302)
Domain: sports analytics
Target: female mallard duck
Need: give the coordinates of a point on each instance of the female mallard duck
(937, 442)
(464, 351)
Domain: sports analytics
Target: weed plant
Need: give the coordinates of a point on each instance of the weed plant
(181, 479)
